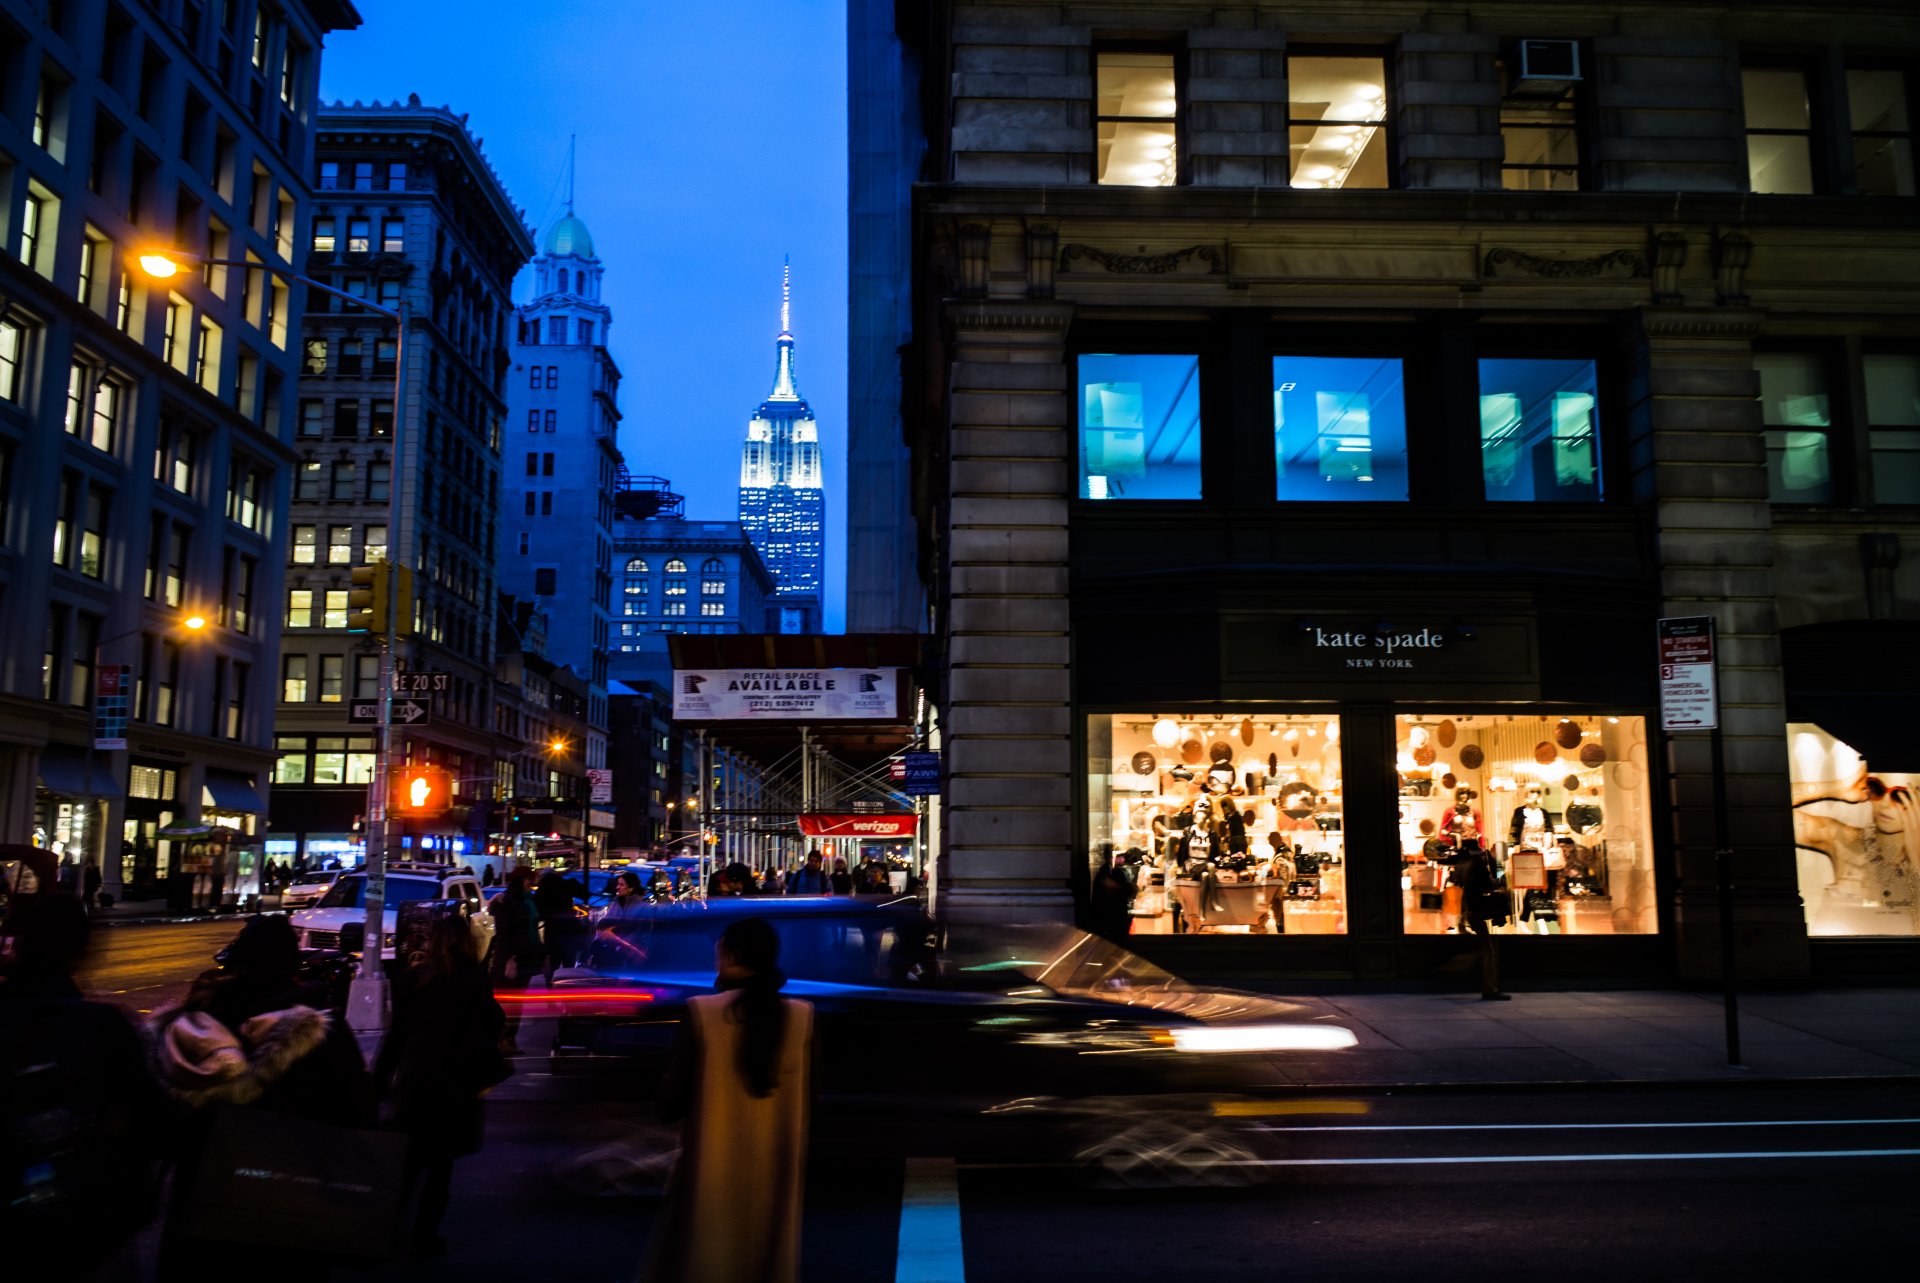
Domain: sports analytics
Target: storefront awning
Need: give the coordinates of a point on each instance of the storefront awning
(1859, 682)
(69, 774)
(232, 793)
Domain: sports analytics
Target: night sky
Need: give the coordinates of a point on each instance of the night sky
(712, 142)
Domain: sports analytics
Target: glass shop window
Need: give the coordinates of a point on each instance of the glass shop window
(1539, 430)
(1893, 425)
(1856, 835)
(1339, 428)
(1336, 122)
(1779, 130)
(1224, 824)
(1794, 407)
(1559, 803)
(1135, 113)
(1139, 427)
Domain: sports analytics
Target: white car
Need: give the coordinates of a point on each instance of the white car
(305, 890)
(345, 901)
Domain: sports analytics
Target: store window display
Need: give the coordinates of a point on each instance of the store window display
(1223, 823)
(1558, 805)
(1857, 836)
(1139, 426)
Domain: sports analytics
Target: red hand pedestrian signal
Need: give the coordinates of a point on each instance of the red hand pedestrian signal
(421, 792)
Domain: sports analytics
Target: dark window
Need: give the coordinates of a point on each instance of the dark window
(1882, 133)
(1539, 430)
(543, 581)
(1893, 425)
(1539, 133)
(1797, 413)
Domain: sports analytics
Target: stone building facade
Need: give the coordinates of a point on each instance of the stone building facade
(147, 425)
(1686, 236)
(409, 214)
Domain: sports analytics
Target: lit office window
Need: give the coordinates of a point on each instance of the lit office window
(1136, 108)
(1339, 428)
(1336, 121)
(1139, 426)
(1779, 130)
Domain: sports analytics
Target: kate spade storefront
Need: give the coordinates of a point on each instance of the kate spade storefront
(1284, 794)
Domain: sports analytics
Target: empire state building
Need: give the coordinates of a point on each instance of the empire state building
(781, 503)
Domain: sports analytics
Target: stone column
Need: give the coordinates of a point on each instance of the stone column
(1007, 822)
(1699, 457)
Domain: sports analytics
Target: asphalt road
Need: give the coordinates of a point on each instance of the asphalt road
(144, 966)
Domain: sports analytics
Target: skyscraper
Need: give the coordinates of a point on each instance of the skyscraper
(781, 502)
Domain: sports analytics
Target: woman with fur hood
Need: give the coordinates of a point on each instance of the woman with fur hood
(251, 1035)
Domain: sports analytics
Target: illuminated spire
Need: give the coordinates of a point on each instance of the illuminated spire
(785, 387)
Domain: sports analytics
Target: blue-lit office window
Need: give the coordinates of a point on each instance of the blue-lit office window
(1339, 428)
(1139, 427)
(1540, 430)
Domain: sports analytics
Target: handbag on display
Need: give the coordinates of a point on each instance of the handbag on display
(1431, 902)
(273, 1179)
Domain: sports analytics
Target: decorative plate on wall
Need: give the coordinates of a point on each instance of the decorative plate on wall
(1192, 751)
(1571, 784)
(1424, 755)
(1143, 763)
(1447, 781)
(1545, 753)
(1592, 755)
(1567, 734)
(1471, 757)
(1445, 733)
(1220, 751)
(1246, 731)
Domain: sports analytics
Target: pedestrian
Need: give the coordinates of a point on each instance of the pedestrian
(1110, 899)
(516, 943)
(250, 1035)
(90, 885)
(810, 878)
(741, 1077)
(776, 881)
(1483, 906)
(560, 926)
(489, 877)
(841, 882)
(82, 1122)
(442, 1054)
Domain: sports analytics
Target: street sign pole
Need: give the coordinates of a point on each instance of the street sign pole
(1690, 701)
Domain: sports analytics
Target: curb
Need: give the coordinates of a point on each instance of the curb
(1464, 1086)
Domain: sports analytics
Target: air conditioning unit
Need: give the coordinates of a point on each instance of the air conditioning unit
(1543, 70)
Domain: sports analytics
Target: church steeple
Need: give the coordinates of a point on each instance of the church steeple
(785, 387)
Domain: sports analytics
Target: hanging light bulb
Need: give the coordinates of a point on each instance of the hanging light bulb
(1166, 732)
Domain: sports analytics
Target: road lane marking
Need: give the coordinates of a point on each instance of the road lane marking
(1551, 1127)
(930, 1250)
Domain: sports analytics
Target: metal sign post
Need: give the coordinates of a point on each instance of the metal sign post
(1690, 701)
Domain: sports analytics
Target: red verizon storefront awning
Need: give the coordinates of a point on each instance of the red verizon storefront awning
(858, 826)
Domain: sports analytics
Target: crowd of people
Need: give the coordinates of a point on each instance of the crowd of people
(106, 1126)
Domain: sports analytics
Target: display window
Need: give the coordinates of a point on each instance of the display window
(1539, 430)
(1526, 824)
(1139, 426)
(1856, 833)
(1339, 428)
(1218, 824)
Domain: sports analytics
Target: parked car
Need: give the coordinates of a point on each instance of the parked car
(305, 890)
(346, 901)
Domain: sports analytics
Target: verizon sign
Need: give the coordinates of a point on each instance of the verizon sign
(786, 694)
(858, 826)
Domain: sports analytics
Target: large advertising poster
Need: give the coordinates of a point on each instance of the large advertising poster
(786, 694)
(1856, 833)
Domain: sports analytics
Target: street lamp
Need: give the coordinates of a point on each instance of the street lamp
(367, 999)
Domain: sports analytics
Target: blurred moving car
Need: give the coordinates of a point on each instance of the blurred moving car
(345, 902)
(305, 889)
(1044, 1033)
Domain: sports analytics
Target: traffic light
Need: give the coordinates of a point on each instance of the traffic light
(420, 792)
(368, 599)
(378, 593)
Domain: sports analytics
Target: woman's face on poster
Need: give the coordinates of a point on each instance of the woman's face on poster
(1893, 808)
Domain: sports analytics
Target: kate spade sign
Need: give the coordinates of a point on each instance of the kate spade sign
(1354, 654)
(1383, 646)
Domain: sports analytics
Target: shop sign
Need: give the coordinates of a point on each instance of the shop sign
(920, 773)
(112, 687)
(1383, 646)
(1689, 700)
(786, 694)
(602, 781)
(819, 825)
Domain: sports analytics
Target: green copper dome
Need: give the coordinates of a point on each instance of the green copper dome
(570, 236)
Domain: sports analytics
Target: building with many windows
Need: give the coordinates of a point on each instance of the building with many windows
(146, 425)
(409, 215)
(675, 575)
(1314, 410)
(782, 503)
(563, 461)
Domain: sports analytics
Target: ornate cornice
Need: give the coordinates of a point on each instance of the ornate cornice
(1620, 262)
(1194, 260)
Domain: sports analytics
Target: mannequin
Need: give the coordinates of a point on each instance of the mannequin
(1463, 822)
(1529, 827)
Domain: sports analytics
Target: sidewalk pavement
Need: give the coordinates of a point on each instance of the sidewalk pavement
(1628, 1036)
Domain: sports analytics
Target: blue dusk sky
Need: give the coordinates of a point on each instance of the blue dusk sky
(712, 143)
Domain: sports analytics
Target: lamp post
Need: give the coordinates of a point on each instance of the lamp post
(194, 624)
(367, 998)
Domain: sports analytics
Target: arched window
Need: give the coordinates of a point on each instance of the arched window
(676, 567)
(713, 566)
(637, 566)
(563, 280)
